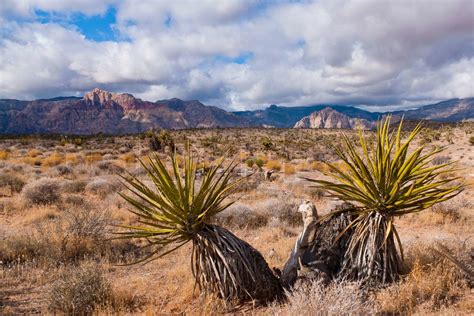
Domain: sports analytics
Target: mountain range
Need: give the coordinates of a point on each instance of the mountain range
(101, 111)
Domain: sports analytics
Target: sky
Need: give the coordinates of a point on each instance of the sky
(241, 54)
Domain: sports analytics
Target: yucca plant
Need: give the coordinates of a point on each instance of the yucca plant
(178, 208)
(383, 180)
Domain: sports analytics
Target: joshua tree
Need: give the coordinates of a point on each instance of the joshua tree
(178, 210)
(383, 180)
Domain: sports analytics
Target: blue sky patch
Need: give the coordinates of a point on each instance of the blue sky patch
(241, 59)
(97, 28)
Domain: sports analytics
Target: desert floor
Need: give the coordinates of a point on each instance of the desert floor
(58, 207)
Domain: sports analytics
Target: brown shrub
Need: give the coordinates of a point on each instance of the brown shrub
(41, 191)
(79, 290)
(273, 165)
(241, 216)
(102, 186)
(12, 181)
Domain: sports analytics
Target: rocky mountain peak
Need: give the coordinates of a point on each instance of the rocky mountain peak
(330, 118)
(101, 97)
(98, 96)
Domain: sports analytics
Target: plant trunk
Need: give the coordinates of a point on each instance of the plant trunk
(371, 256)
(230, 267)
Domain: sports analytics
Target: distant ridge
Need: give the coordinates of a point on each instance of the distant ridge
(100, 111)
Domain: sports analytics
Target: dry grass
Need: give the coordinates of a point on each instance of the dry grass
(432, 284)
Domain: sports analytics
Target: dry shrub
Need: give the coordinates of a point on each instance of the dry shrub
(12, 181)
(41, 191)
(4, 154)
(87, 222)
(63, 170)
(289, 169)
(128, 158)
(319, 166)
(432, 283)
(81, 233)
(92, 158)
(102, 186)
(241, 216)
(75, 199)
(273, 165)
(79, 290)
(52, 160)
(73, 186)
(285, 211)
(71, 159)
(304, 166)
(33, 153)
(109, 166)
(127, 300)
(315, 298)
(33, 161)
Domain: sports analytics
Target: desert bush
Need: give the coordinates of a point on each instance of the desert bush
(41, 191)
(87, 222)
(267, 144)
(128, 158)
(471, 140)
(284, 210)
(71, 158)
(250, 162)
(315, 298)
(92, 158)
(110, 167)
(79, 290)
(241, 216)
(73, 186)
(3, 154)
(289, 169)
(273, 165)
(14, 182)
(34, 153)
(52, 160)
(259, 162)
(63, 170)
(74, 199)
(102, 186)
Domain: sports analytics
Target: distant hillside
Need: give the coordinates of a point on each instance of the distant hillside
(100, 111)
(279, 116)
(447, 111)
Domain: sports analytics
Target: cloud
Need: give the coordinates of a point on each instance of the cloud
(245, 54)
